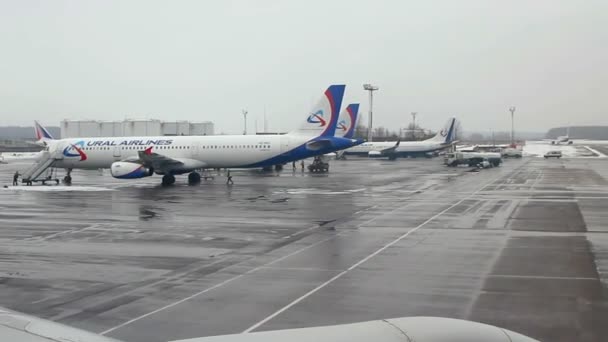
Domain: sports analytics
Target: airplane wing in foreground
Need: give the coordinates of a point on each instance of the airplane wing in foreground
(20, 327)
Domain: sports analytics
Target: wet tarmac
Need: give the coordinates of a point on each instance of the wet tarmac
(523, 246)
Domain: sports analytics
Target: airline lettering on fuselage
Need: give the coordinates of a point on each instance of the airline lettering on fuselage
(159, 142)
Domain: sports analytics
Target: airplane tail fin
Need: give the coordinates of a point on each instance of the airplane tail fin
(347, 121)
(41, 133)
(323, 118)
(447, 134)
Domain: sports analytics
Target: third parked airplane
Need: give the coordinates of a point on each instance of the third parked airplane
(393, 149)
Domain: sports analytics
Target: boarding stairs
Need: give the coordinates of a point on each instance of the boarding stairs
(45, 161)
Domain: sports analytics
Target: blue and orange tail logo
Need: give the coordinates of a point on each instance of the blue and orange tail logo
(317, 117)
(75, 150)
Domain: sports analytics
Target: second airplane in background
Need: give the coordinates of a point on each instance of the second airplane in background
(394, 149)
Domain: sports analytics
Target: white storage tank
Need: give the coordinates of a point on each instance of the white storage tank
(201, 128)
(142, 128)
(94, 128)
(176, 128)
(79, 128)
(111, 128)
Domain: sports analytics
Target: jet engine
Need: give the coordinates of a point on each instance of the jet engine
(128, 170)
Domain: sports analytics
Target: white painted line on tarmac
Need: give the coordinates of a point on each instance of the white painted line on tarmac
(216, 286)
(362, 261)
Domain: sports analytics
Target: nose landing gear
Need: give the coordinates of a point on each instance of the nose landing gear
(68, 178)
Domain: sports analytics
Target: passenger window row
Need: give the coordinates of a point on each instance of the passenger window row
(140, 148)
(235, 146)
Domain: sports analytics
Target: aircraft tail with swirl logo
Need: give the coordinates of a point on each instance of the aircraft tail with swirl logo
(347, 121)
(447, 134)
(323, 118)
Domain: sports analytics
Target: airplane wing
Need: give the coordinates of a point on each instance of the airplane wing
(157, 161)
(20, 327)
(407, 329)
(164, 164)
(390, 150)
(321, 143)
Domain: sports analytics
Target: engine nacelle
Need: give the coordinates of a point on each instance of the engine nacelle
(128, 170)
(374, 154)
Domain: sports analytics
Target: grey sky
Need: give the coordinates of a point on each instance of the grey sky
(206, 60)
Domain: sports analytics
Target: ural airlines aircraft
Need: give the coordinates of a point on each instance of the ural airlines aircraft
(137, 157)
(347, 122)
(393, 149)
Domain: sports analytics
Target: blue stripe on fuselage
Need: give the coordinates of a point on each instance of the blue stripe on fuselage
(302, 152)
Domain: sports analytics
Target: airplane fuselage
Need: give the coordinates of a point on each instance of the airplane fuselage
(219, 151)
(405, 148)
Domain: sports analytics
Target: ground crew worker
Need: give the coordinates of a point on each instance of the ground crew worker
(16, 178)
(229, 181)
(302, 164)
(293, 164)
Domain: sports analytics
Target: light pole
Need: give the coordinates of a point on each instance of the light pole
(371, 90)
(244, 121)
(414, 125)
(512, 110)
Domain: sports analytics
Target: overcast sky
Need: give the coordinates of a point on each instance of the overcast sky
(207, 60)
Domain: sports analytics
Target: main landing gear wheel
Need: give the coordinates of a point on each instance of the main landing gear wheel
(168, 179)
(194, 178)
(67, 179)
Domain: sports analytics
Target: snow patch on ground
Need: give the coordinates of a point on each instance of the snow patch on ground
(539, 148)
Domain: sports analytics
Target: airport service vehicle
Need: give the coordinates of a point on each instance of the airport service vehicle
(472, 158)
(137, 157)
(511, 153)
(485, 164)
(553, 154)
(394, 149)
(15, 326)
(318, 165)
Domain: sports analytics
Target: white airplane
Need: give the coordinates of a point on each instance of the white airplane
(15, 326)
(42, 135)
(137, 157)
(563, 139)
(10, 157)
(393, 149)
